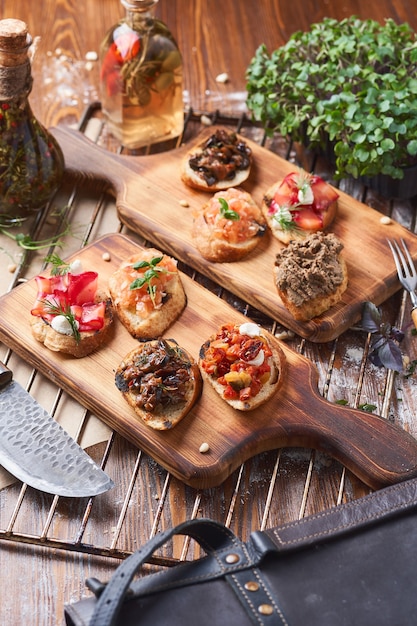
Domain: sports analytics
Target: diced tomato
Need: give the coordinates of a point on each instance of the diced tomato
(231, 352)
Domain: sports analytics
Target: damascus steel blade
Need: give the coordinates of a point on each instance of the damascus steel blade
(37, 450)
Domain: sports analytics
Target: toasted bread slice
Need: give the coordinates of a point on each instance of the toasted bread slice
(221, 161)
(228, 226)
(87, 342)
(242, 384)
(148, 310)
(160, 381)
(311, 275)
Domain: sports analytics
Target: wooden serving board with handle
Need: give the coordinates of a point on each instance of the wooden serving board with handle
(376, 450)
(148, 191)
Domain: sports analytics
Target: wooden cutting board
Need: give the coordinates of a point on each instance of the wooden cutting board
(148, 192)
(377, 451)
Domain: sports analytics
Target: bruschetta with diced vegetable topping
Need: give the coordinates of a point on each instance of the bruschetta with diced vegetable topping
(242, 364)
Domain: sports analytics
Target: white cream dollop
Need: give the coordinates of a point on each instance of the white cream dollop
(250, 329)
(62, 325)
(305, 195)
(76, 267)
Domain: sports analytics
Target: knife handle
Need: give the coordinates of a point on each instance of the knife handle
(6, 375)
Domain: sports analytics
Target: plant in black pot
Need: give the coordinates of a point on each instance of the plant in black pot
(348, 88)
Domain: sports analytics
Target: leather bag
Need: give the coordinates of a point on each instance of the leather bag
(351, 565)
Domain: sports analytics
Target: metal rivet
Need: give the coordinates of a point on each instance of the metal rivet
(266, 609)
(232, 558)
(251, 585)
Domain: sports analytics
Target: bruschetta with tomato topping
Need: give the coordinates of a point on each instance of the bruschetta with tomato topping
(219, 162)
(147, 293)
(71, 315)
(160, 381)
(229, 226)
(242, 365)
(299, 205)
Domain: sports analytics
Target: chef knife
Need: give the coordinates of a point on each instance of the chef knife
(37, 450)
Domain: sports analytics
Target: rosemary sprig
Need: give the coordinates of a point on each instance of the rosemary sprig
(152, 271)
(59, 267)
(227, 212)
(284, 219)
(55, 308)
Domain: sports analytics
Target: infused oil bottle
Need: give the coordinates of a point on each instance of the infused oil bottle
(141, 78)
(31, 161)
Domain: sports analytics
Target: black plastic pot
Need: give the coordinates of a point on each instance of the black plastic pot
(402, 188)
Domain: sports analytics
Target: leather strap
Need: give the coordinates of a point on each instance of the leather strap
(231, 559)
(215, 538)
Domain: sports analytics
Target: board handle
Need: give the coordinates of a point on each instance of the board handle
(376, 450)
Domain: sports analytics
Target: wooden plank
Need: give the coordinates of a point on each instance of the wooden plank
(149, 190)
(373, 448)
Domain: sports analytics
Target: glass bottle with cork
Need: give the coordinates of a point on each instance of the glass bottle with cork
(31, 161)
(141, 78)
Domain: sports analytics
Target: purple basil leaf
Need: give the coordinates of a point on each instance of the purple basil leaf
(371, 317)
(390, 356)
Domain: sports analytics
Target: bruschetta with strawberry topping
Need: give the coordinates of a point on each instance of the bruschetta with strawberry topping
(160, 381)
(219, 162)
(299, 205)
(147, 293)
(242, 364)
(228, 226)
(71, 315)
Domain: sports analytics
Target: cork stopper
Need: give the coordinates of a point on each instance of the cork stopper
(14, 42)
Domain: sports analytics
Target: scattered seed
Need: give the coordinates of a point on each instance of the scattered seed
(89, 66)
(91, 55)
(12, 267)
(385, 220)
(204, 448)
(204, 119)
(184, 203)
(285, 335)
(222, 78)
(106, 256)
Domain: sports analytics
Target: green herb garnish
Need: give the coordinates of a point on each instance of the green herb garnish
(55, 308)
(59, 267)
(284, 219)
(226, 212)
(152, 271)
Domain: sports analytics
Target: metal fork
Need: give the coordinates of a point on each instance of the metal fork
(407, 273)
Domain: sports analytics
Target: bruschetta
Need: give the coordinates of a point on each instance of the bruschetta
(71, 314)
(221, 161)
(311, 275)
(242, 365)
(147, 293)
(299, 205)
(228, 226)
(160, 381)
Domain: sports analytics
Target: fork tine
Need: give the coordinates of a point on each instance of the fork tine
(395, 256)
(409, 259)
